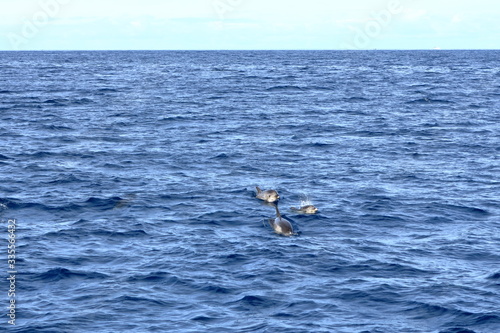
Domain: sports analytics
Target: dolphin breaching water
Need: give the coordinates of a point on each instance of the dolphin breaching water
(267, 195)
(308, 209)
(281, 225)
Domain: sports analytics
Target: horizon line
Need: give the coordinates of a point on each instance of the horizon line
(236, 50)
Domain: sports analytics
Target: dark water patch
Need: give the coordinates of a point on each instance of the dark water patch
(420, 85)
(300, 306)
(470, 210)
(284, 88)
(131, 234)
(17, 204)
(250, 168)
(58, 128)
(114, 166)
(371, 134)
(222, 156)
(234, 259)
(476, 106)
(71, 261)
(250, 302)
(215, 290)
(435, 220)
(463, 320)
(134, 301)
(319, 145)
(419, 156)
(322, 88)
(155, 277)
(457, 330)
(163, 279)
(82, 101)
(222, 69)
(430, 124)
(4, 158)
(430, 101)
(253, 327)
(57, 102)
(103, 203)
(216, 97)
(494, 276)
(425, 311)
(356, 99)
(106, 91)
(42, 154)
(379, 203)
(65, 179)
(58, 274)
(205, 319)
(451, 316)
(484, 319)
(451, 209)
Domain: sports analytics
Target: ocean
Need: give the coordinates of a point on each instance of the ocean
(130, 178)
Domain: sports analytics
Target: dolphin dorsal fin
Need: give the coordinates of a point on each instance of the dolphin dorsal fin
(258, 189)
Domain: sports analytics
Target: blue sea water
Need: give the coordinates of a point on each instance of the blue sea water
(131, 176)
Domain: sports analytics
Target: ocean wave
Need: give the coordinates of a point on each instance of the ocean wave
(426, 311)
(58, 128)
(452, 316)
(284, 88)
(82, 101)
(254, 301)
(215, 289)
(106, 91)
(430, 101)
(446, 210)
(65, 179)
(57, 101)
(154, 277)
(321, 88)
(377, 269)
(58, 274)
(135, 301)
(457, 330)
(356, 99)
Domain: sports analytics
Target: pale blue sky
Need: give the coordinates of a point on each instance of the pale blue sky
(248, 24)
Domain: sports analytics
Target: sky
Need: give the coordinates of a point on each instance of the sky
(248, 24)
